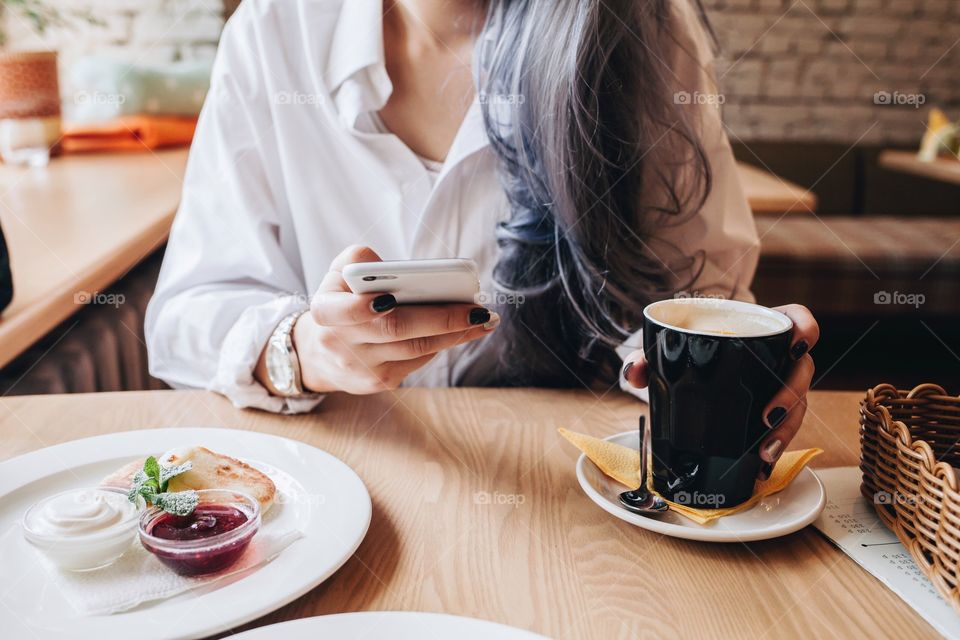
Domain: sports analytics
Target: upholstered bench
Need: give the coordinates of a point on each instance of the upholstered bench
(869, 265)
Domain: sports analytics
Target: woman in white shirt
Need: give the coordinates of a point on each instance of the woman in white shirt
(572, 149)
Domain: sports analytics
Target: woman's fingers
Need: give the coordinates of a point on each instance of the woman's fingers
(333, 280)
(334, 305)
(806, 331)
(419, 347)
(634, 369)
(339, 309)
(784, 414)
(369, 343)
(419, 321)
(391, 375)
(353, 253)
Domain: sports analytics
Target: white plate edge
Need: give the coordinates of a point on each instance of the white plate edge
(310, 620)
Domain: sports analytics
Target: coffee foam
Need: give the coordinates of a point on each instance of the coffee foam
(718, 319)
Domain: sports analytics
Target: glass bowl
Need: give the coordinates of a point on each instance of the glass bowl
(208, 540)
(46, 526)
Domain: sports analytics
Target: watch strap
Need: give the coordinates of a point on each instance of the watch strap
(281, 343)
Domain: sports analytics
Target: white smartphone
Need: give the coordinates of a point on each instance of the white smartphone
(417, 281)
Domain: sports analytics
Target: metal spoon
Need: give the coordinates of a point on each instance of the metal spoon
(640, 500)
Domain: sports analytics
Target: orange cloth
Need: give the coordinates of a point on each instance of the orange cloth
(129, 133)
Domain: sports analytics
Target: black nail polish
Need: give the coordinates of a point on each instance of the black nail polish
(765, 470)
(797, 350)
(776, 416)
(626, 370)
(479, 315)
(384, 303)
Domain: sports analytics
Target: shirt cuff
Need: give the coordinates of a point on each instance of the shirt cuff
(241, 350)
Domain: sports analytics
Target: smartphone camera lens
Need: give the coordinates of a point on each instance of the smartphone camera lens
(369, 278)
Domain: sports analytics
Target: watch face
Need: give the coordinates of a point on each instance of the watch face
(280, 369)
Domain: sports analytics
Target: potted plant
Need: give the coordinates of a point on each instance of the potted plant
(29, 86)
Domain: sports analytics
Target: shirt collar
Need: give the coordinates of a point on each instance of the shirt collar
(470, 138)
(358, 80)
(356, 72)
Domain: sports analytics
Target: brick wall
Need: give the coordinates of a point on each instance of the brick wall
(791, 69)
(147, 31)
(811, 69)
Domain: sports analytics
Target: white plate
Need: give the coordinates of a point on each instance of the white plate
(785, 512)
(327, 501)
(396, 625)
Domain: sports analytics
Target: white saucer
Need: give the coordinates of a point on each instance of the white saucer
(778, 515)
(396, 625)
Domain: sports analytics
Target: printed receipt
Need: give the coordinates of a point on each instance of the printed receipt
(850, 522)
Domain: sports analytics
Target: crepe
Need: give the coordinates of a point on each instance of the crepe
(210, 470)
(122, 478)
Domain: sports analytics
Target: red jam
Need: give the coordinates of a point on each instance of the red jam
(207, 521)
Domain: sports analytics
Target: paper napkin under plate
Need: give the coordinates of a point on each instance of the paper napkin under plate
(139, 577)
(623, 465)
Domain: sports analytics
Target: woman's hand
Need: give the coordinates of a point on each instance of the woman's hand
(784, 414)
(364, 343)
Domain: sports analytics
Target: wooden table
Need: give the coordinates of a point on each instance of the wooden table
(770, 194)
(944, 169)
(545, 558)
(75, 227)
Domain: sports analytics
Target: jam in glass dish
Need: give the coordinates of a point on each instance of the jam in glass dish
(208, 540)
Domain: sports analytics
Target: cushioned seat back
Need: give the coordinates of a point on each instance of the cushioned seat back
(854, 265)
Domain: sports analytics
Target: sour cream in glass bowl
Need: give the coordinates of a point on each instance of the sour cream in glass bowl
(82, 529)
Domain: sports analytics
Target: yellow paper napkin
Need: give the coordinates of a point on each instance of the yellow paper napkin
(623, 465)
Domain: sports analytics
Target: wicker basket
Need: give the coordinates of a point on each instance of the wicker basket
(910, 444)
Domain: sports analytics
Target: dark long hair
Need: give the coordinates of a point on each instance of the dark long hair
(595, 155)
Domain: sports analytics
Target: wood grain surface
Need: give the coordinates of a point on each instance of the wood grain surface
(944, 168)
(768, 193)
(477, 512)
(77, 226)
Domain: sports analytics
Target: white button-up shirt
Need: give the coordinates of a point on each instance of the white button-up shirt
(284, 174)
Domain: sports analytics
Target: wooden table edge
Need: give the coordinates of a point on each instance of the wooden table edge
(942, 170)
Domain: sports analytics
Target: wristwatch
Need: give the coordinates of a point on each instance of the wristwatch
(283, 365)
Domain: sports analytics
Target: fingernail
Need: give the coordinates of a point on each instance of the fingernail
(765, 470)
(384, 303)
(775, 416)
(479, 315)
(626, 370)
(797, 350)
(493, 323)
(773, 449)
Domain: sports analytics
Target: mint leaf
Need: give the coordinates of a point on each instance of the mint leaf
(179, 503)
(171, 472)
(152, 468)
(151, 482)
(139, 478)
(142, 486)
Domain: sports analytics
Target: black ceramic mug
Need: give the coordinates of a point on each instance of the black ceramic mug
(714, 365)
